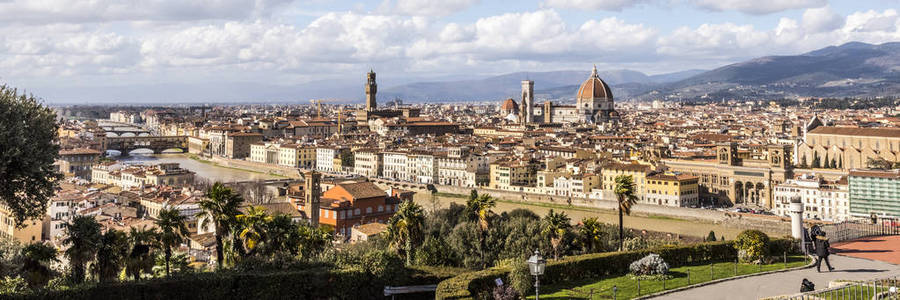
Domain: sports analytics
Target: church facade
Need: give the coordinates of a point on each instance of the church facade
(593, 104)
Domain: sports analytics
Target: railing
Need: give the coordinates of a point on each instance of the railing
(851, 230)
(875, 289)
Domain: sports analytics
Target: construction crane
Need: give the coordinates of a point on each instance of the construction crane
(318, 104)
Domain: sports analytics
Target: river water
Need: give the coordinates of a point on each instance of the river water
(208, 171)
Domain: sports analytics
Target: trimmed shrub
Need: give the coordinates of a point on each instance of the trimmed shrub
(752, 246)
(478, 285)
(649, 265)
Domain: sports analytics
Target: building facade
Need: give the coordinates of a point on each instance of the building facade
(874, 192)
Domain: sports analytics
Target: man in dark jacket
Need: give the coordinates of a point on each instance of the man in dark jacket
(822, 251)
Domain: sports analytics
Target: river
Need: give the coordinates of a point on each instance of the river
(205, 170)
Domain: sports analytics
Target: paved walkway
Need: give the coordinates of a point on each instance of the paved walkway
(883, 248)
(785, 283)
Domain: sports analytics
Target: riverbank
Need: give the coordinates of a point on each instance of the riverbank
(201, 167)
(694, 228)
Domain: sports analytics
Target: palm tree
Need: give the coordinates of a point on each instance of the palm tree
(83, 238)
(172, 231)
(140, 259)
(282, 235)
(479, 208)
(624, 190)
(556, 225)
(114, 248)
(406, 227)
(221, 208)
(35, 267)
(591, 232)
(253, 227)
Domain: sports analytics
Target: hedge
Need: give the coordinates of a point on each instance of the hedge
(313, 283)
(479, 284)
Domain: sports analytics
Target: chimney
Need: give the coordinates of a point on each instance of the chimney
(312, 195)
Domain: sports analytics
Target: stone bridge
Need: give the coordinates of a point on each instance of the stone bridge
(158, 144)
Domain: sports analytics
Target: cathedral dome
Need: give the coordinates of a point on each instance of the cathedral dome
(509, 105)
(594, 87)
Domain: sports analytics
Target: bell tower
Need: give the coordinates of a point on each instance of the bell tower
(527, 108)
(312, 195)
(727, 153)
(371, 90)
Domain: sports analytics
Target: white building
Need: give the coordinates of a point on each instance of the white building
(368, 162)
(459, 168)
(829, 201)
(395, 165)
(325, 159)
(422, 167)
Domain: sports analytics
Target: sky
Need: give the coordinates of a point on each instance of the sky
(66, 46)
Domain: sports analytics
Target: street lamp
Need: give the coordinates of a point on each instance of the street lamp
(536, 264)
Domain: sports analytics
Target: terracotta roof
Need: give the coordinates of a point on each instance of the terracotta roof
(371, 228)
(361, 190)
(594, 87)
(876, 132)
(892, 174)
(509, 104)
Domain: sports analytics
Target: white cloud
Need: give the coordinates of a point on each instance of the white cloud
(872, 21)
(757, 7)
(540, 36)
(821, 19)
(611, 5)
(54, 11)
(426, 7)
(712, 40)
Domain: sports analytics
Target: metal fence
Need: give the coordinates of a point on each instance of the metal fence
(851, 230)
(876, 289)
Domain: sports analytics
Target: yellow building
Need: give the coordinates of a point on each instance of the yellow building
(513, 175)
(638, 174)
(28, 234)
(672, 189)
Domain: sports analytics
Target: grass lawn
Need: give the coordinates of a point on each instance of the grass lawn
(627, 288)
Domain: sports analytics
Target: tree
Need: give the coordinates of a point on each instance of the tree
(711, 237)
(624, 190)
(36, 269)
(83, 239)
(253, 228)
(592, 234)
(27, 175)
(313, 240)
(112, 255)
(220, 209)
(405, 229)
(556, 226)
(172, 231)
(480, 209)
(473, 194)
(282, 236)
(140, 258)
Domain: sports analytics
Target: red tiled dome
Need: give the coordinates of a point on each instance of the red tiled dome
(509, 105)
(594, 87)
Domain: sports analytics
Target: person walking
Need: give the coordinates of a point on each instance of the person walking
(822, 251)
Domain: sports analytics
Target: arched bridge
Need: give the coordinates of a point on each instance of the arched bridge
(158, 144)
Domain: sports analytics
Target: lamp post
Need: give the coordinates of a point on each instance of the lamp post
(536, 265)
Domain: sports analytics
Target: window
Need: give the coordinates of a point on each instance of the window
(368, 210)
(356, 211)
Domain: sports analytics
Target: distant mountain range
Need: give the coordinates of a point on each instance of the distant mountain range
(850, 70)
(548, 85)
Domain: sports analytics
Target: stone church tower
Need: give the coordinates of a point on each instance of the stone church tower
(527, 107)
(371, 90)
(312, 196)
